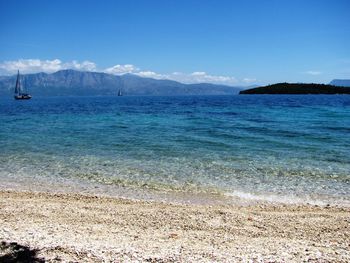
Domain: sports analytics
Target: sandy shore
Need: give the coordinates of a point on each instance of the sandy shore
(72, 227)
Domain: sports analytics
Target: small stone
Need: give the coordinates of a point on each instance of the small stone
(173, 235)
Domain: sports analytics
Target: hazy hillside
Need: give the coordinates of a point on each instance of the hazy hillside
(71, 82)
(340, 82)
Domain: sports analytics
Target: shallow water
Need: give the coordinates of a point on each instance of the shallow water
(268, 147)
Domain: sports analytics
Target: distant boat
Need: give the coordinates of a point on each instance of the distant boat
(19, 94)
(120, 92)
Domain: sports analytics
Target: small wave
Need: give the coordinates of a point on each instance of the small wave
(287, 199)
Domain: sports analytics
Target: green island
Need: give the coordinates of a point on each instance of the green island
(297, 88)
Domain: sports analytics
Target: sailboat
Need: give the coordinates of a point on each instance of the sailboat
(120, 92)
(19, 94)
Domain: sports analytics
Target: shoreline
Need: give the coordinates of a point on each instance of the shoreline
(242, 198)
(90, 228)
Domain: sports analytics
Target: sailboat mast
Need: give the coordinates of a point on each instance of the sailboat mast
(18, 84)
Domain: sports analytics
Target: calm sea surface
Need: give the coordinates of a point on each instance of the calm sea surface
(253, 146)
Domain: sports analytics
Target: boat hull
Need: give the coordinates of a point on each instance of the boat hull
(23, 97)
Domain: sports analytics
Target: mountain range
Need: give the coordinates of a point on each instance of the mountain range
(83, 83)
(340, 82)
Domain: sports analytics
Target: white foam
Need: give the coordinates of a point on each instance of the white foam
(273, 198)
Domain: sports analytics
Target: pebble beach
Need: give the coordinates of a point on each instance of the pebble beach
(49, 227)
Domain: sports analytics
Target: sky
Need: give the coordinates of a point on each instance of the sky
(230, 42)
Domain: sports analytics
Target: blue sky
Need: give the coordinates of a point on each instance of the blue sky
(230, 42)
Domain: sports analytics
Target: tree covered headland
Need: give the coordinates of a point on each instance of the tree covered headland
(297, 88)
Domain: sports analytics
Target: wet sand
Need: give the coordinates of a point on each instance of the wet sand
(86, 228)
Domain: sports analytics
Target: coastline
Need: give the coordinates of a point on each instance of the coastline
(89, 228)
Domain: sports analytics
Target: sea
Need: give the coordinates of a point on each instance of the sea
(273, 148)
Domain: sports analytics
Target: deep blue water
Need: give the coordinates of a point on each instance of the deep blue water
(262, 145)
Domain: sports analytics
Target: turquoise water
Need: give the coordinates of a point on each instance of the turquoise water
(252, 146)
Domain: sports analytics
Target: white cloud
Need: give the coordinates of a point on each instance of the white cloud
(85, 65)
(313, 72)
(249, 80)
(199, 73)
(194, 77)
(151, 74)
(49, 66)
(121, 69)
(204, 77)
(31, 65)
(201, 76)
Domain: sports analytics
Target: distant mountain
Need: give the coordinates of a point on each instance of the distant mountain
(340, 82)
(78, 83)
(297, 88)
